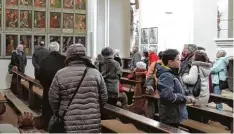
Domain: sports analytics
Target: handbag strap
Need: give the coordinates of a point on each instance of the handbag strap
(86, 70)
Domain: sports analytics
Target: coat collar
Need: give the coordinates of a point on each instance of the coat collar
(202, 64)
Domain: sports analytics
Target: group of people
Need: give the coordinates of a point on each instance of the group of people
(75, 89)
(188, 79)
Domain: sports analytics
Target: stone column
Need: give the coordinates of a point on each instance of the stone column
(230, 19)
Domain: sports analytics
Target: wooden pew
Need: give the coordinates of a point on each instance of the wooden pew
(198, 127)
(126, 62)
(115, 126)
(20, 106)
(31, 82)
(2, 104)
(204, 115)
(125, 72)
(140, 122)
(221, 99)
(223, 117)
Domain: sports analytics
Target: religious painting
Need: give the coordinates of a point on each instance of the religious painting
(67, 41)
(153, 35)
(39, 3)
(40, 20)
(80, 25)
(55, 20)
(68, 4)
(37, 40)
(12, 18)
(80, 4)
(26, 2)
(25, 19)
(11, 44)
(68, 22)
(80, 40)
(55, 3)
(26, 41)
(55, 39)
(155, 47)
(11, 2)
(144, 35)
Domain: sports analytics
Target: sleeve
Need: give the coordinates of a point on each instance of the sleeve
(191, 77)
(118, 70)
(42, 72)
(137, 58)
(25, 61)
(218, 66)
(102, 92)
(166, 90)
(34, 61)
(54, 95)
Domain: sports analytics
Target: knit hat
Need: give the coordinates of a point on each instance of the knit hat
(107, 52)
(191, 47)
(76, 50)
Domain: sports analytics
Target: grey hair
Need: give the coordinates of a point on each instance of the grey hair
(116, 52)
(221, 53)
(53, 46)
(141, 65)
(20, 47)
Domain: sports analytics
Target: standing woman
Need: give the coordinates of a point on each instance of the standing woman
(200, 66)
(219, 73)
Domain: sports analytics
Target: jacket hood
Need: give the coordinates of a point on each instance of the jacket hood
(204, 67)
(225, 59)
(161, 69)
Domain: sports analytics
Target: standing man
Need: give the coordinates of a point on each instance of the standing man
(48, 68)
(136, 57)
(40, 53)
(18, 59)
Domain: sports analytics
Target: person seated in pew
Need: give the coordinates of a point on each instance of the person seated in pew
(172, 102)
(111, 72)
(200, 67)
(219, 74)
(48, 68)
(139, 71)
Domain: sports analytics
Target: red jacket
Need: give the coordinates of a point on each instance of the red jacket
(153, 58)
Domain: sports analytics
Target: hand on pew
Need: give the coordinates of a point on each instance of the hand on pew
(26, 119)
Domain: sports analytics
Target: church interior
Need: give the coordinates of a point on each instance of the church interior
(127, 45)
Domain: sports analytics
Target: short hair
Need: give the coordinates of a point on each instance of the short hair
(53, 46)
(141, 65)
(107, 52)
(169, 54)
(20, 47)
(160, 55)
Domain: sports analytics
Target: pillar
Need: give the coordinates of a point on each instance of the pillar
(230, 18)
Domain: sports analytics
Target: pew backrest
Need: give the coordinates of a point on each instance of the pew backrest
(141, 122)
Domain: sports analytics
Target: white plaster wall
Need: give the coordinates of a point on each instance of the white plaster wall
(4, 78)
(174, 30)
(119, 26)
(205, 25)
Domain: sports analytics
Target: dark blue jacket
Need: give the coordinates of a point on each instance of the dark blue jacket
(172, 103)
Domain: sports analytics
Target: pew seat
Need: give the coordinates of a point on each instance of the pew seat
(18, 104)
(115, 126)
(38, 91)
(198, 127)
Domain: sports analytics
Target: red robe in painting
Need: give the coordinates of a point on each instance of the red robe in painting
(54, 23)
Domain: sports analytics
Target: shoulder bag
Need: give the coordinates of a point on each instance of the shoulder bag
(56, 124)
(197, 86)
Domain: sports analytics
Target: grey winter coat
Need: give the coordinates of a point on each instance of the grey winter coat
(83, 115)
(136, 57)
(111, 73)
(191, 78)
